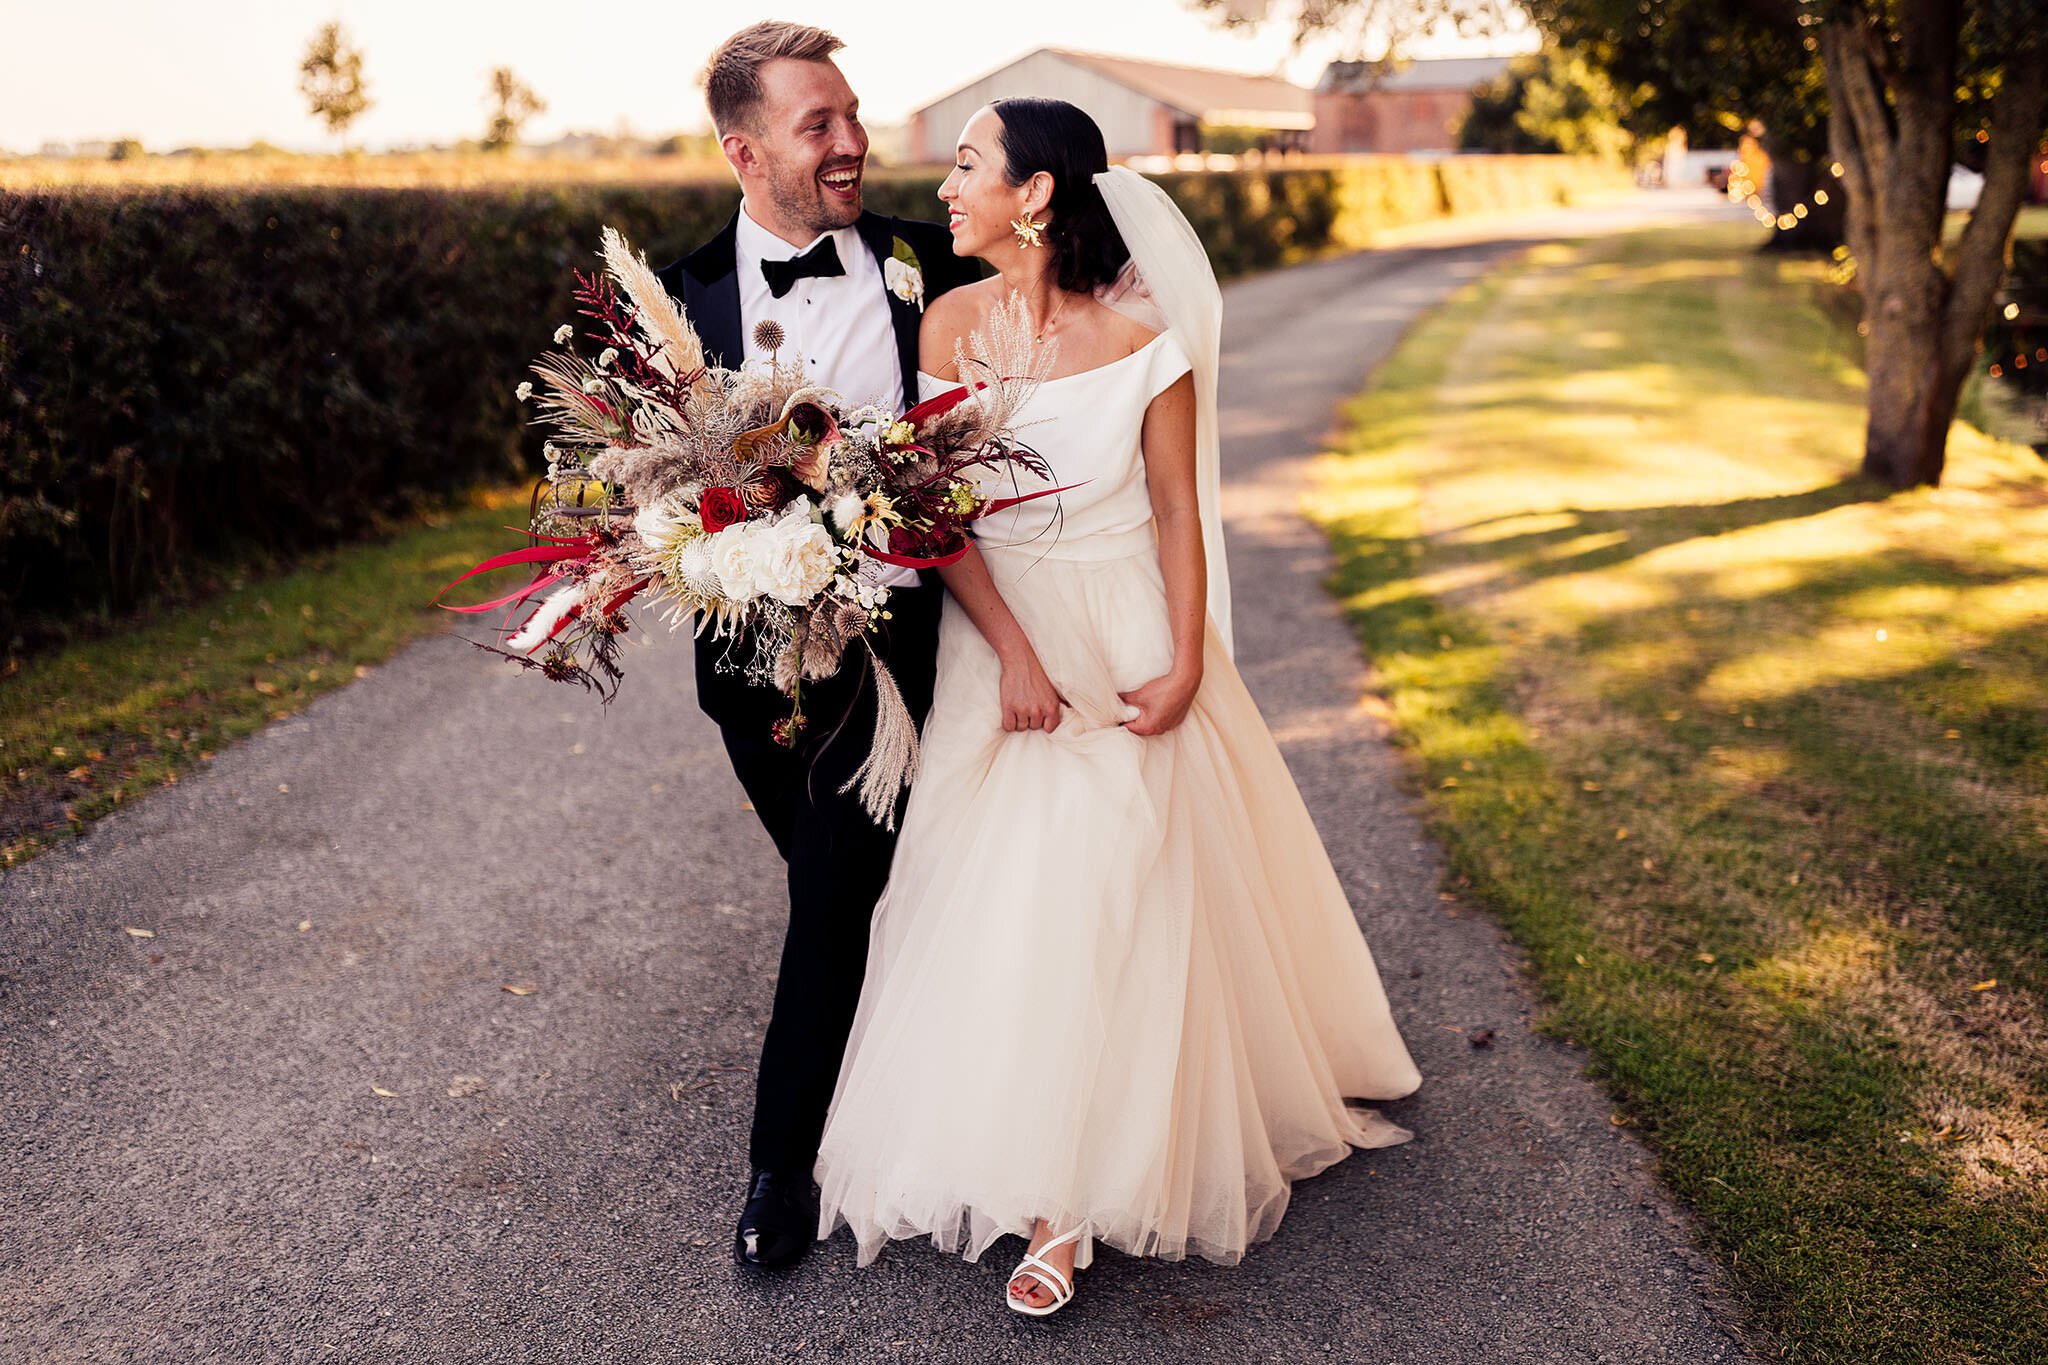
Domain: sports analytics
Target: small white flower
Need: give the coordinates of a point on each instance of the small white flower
(610, 354)
(904, 280)
(563, 333)
(592, 386)
(523, 392)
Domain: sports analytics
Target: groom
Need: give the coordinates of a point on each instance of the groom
(801, 253)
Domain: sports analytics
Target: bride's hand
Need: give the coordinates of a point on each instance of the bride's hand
(1162, 703)
(1030, 701)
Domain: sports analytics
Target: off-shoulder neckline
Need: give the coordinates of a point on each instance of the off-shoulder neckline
(1078, 374)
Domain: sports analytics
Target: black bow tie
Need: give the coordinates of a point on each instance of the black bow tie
(821, 262)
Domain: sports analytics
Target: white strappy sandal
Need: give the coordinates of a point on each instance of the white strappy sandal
(1047, 1274)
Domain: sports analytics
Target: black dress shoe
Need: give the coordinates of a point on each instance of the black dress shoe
(779, 1222)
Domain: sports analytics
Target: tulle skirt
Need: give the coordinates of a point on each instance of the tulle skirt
(1113, 978)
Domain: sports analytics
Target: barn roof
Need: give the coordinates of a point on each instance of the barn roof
(1439, 73)
(1221, 97)
(1228, 97)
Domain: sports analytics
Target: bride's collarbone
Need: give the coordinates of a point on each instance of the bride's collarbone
(1088, 334)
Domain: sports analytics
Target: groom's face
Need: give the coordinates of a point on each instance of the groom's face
(806, 151)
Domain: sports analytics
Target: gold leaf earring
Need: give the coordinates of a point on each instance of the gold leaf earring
(1027, 230)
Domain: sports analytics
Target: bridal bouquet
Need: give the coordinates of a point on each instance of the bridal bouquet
(746, 500)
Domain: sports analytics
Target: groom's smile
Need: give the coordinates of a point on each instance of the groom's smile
(843, 182)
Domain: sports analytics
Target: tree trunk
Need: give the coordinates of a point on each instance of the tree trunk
(1891, 127)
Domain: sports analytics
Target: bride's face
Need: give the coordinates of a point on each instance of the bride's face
(980, 196)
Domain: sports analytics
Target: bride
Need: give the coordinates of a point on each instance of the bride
(1114, 991)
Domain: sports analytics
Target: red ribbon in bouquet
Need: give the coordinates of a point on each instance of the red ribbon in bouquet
(560, 550)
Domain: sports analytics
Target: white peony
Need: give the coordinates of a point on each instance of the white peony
(737, 553)
(798, 562)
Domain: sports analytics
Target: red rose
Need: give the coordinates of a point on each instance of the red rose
(720, 508)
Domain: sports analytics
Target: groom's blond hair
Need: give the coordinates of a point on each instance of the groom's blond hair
(732, 78)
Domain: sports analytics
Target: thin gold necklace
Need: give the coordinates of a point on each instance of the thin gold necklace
(1039, 335)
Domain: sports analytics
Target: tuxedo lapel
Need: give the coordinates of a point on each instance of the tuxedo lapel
(880, 235)
(711, 294)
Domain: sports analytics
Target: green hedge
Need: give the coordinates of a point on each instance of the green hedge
(190, 377)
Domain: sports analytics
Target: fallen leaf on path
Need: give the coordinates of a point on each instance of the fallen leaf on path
(268, 689)
(1707, 958)
(304, 925)
(1991, 984)
(519, 987)
(462, 1086)
(138, 933)
(380, 1090)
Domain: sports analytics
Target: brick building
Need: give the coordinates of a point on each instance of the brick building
(1416, 108)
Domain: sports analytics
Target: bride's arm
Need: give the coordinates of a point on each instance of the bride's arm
(1169, 445)
(1029, 700)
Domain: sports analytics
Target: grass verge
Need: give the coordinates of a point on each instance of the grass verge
(87, 727)
(1750, 757)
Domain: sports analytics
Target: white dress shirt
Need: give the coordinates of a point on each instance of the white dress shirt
(839, 327)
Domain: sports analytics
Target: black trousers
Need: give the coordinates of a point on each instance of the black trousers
(838, 857)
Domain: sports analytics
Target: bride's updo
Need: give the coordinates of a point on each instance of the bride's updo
(1059, 139)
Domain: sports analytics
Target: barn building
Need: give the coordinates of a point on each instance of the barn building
(1416, 108)
(1145, 108)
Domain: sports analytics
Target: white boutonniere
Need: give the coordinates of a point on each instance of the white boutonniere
(902, 274)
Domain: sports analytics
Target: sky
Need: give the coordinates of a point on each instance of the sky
(224, 73)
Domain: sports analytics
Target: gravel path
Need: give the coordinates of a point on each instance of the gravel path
(197, 1166)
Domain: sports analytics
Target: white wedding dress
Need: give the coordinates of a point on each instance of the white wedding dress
(1113, 978)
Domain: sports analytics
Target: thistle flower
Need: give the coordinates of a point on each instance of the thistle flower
(563, 333)
(768, 335)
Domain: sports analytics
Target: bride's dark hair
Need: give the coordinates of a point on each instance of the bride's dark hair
(1059, 139)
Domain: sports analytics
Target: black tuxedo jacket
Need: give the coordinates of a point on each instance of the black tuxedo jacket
(707, 283)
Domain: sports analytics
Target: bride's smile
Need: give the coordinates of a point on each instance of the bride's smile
(980, 202)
